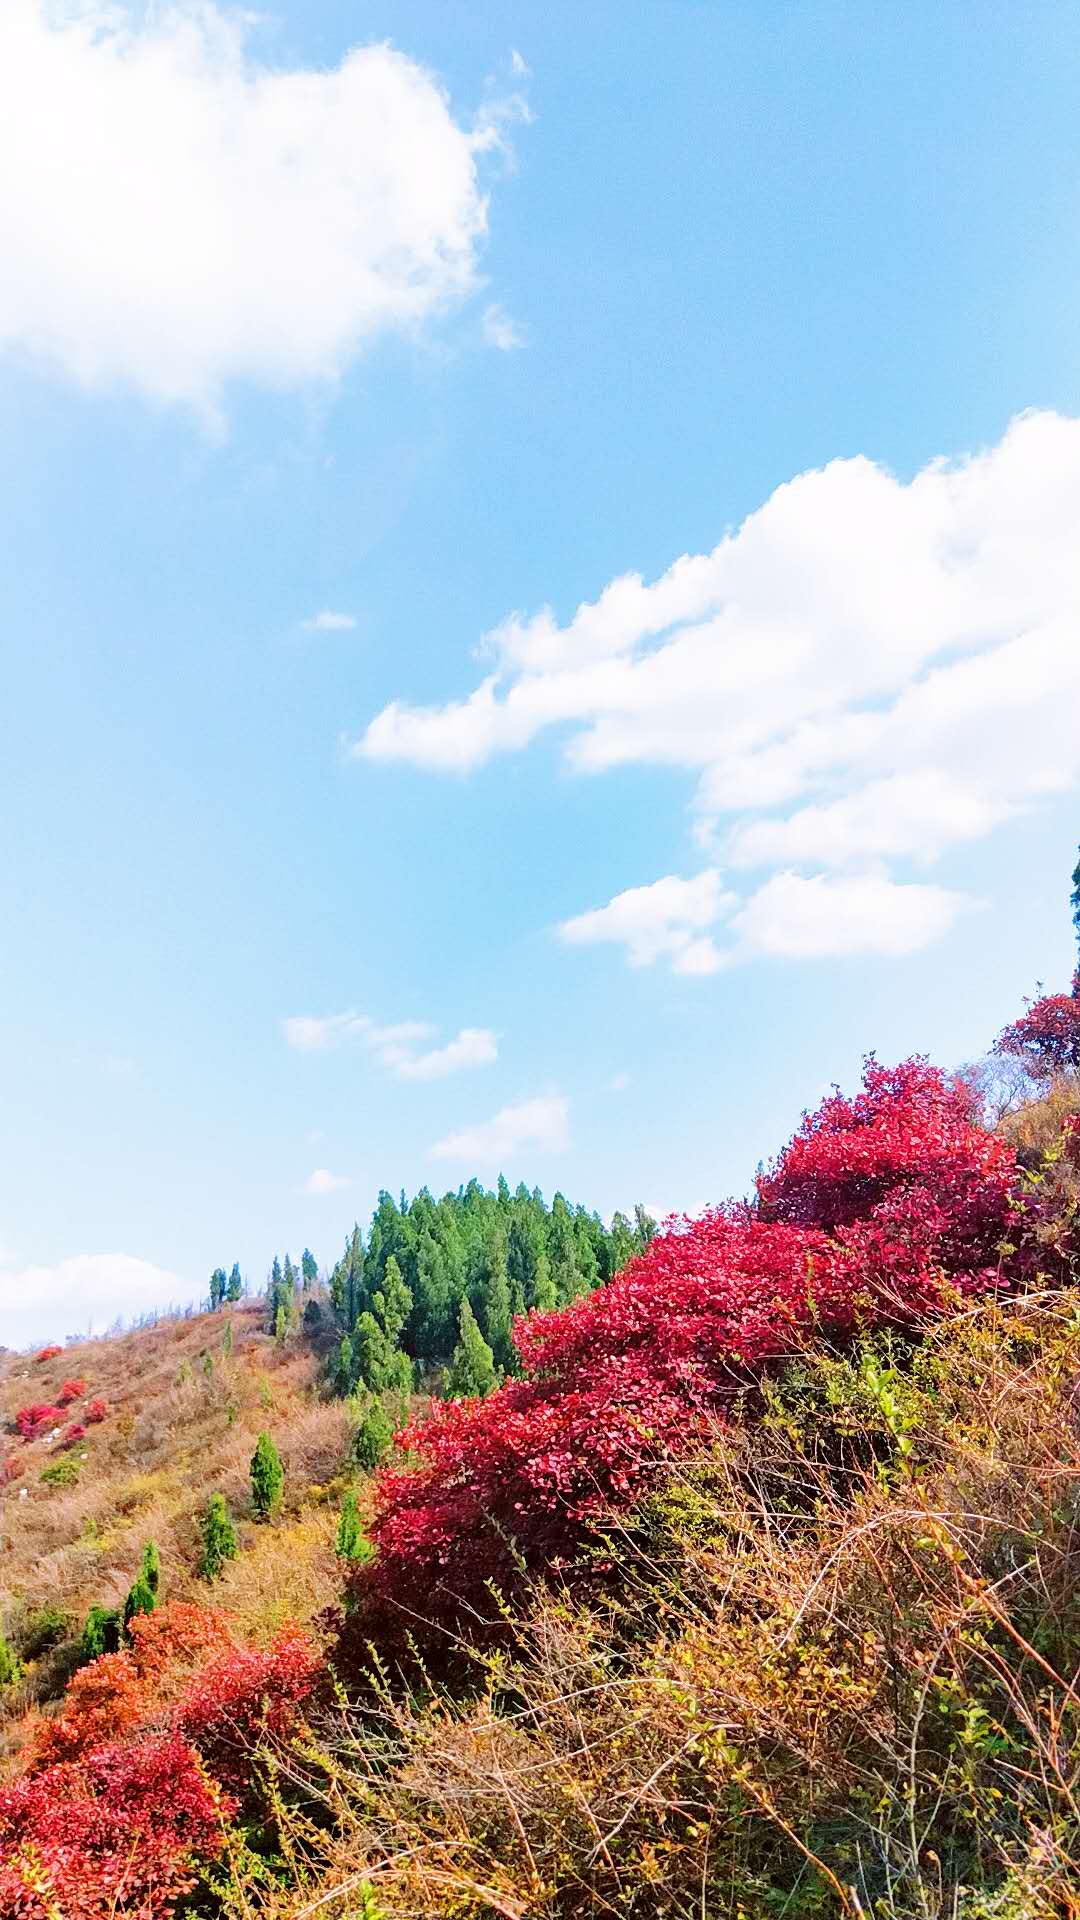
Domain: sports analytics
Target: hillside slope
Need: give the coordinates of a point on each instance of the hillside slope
(184, 1402)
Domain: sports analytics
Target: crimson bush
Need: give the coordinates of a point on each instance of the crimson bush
(882, 1210)
(121, 1832)
(34, 1420)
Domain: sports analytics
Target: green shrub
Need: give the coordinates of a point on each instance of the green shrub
(62, 1473)
(41, 1630)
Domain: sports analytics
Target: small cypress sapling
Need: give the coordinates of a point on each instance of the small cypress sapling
(143, 1595)
(372, 1438)
(100, 1634)
(267, 1478)
(9, 1665)
(352, 1542)
(219, 1538)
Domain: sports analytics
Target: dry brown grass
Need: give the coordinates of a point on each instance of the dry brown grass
(839, 1677)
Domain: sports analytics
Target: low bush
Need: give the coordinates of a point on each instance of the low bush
(61, 1473)
(35, 1420)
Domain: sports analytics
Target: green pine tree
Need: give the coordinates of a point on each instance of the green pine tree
(308, 1268)
(218, 1285)
(472, 1369)
(371, 1441)
(219, 1538)
(145, 1589)
(267, 1478)
(235, 1289)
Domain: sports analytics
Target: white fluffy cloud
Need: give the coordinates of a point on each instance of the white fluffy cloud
(323, 1182)
(397, 1047)
(83, 1294)
(866, 671)
(666, 920)
(826, 916)
(175, 214)
(542, 1124)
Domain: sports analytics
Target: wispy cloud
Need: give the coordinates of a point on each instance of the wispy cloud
(501, 331)
(542, 1124)
(474, 1047)
(329, 622)
(398, 1047)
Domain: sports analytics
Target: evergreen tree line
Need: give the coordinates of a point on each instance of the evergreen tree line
(438, 1283)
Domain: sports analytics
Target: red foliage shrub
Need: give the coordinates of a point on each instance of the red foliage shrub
(248, 1695)
(1046, 1038)
(169, 1645)
(882, 1209)
(95, 1411)
(102, 1700)
(121, 1833)
(73, 1434)
(10, 1470)
(71, 1390)
(34, 1420)
(48, 1353)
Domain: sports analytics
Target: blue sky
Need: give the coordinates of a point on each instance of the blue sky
(432, 319)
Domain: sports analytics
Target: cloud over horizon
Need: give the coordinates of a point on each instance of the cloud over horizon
(85, 1293)
(541, 1124)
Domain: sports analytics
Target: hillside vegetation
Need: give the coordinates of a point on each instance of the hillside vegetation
(744, 1584)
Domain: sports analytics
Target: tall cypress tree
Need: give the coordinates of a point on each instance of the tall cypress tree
(218, 1284)
(235, 1288)
(472, 1369)
(308, 1268)
(218, 1536)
